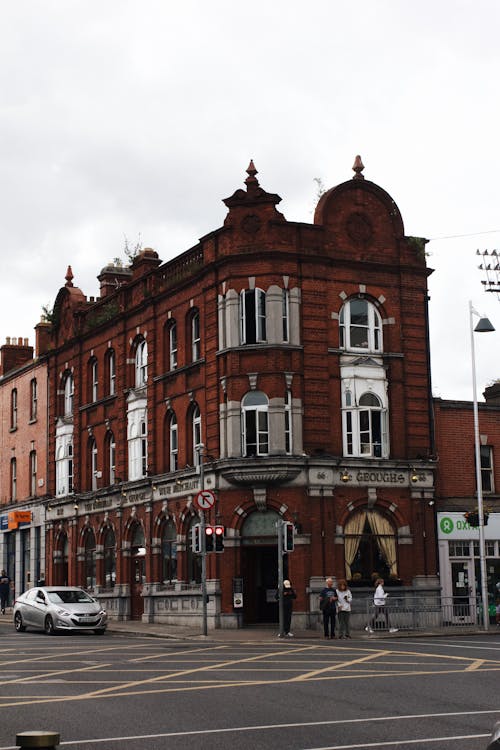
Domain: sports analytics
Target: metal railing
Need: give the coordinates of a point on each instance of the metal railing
(424, 613)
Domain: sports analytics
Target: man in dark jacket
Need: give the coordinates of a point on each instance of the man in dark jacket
(328, 605)
(4, 590)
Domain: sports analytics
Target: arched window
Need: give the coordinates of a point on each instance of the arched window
(173, 441)
(254, 424)
(360, 326)
(370, 547)
(196, 434)
(109, 558)
(141, 364)
(13, 409)
(137, 450)
(89, 559)
(33, 400)
(13, 479)
(93, 380)
(252, 316)
(365, 429)
(110, 458)
(69, 393)
(169, 552)
(110, 372)
(32, 473)
(93, 463)
(195, 336)
(172, 345)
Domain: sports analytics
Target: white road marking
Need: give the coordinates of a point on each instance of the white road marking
(298, 725)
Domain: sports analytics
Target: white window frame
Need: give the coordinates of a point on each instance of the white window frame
(359, 421)
(112, 372)
(255, 420)
(285, 316)
(349, 329)
(33, 399)
(195, 337)
(487, 472)
(112, 459)
(174, 443)
(94, 373)
(252, 316)
(141, 364)
(288, 423)
(69, 394)
(93, 463)
(197, 440)
(13, 409)
(172, 345)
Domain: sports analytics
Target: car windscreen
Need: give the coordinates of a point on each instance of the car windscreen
(69, 597)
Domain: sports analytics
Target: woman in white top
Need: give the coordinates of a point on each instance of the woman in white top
(344, 599)
(379, 602)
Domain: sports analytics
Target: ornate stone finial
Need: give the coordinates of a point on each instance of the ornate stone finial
(358, 167)
(69, 276)
(251, 180)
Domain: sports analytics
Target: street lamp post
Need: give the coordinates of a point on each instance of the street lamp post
(483, 326)
(203, 542)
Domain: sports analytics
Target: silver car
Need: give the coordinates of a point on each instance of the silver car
(57, 609)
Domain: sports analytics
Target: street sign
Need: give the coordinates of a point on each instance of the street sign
(205, 499)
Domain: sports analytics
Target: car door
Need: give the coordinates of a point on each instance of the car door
(39, 609)
(28, 607)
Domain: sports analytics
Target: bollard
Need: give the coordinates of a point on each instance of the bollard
(37, 738)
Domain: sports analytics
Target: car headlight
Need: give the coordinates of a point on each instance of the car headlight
(63, 612)
(102, 613)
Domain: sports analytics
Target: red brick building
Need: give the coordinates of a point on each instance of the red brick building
(23, 462)
(292, 361)
(456, 494)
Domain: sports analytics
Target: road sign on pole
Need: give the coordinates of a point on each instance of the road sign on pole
(205, 499)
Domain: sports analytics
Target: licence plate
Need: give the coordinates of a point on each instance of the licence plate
(87, 619)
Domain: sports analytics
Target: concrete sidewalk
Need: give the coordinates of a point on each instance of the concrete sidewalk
(263, 633)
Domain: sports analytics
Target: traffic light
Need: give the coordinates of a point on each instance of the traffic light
(219, 538)
(288, 532)
(209, 538)
(196, 538)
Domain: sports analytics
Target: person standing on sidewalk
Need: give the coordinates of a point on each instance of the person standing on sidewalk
(288, 596)
(379, 603)
(327, 604)
(344, 599)
(5, 585)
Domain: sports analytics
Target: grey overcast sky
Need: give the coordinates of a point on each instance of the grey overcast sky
(135, 118)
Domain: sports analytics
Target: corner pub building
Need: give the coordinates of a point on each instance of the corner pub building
(291, 360)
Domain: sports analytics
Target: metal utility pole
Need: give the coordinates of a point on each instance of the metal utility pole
(203, 544)
(280, 525)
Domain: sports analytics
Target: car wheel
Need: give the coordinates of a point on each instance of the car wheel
(18, 623)
(49, 626)
(100, 631)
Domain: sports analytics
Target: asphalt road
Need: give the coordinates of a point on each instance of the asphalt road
(130, 693)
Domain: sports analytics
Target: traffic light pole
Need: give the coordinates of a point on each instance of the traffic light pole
(280, 527)
(203, 546)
